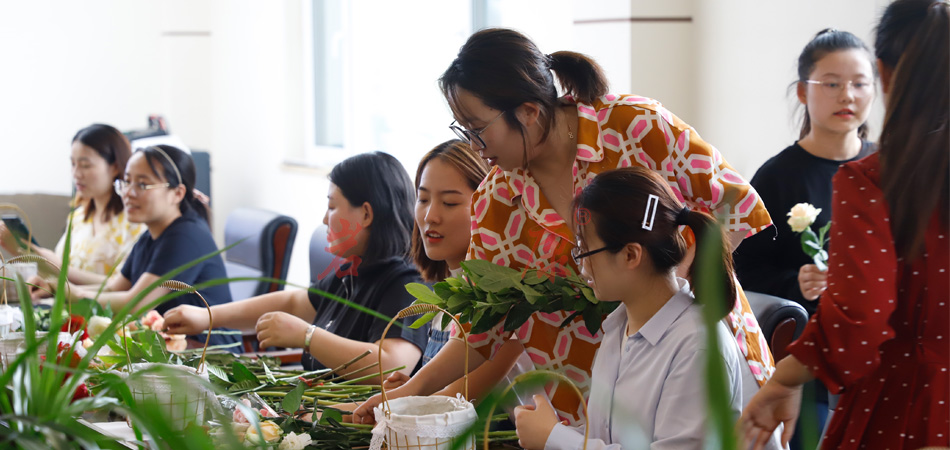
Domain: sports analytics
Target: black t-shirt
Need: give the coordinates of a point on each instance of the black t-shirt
(186, 239)
(380, 287)
(768, 262)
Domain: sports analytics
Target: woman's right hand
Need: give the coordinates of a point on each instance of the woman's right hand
(186, 319)
(812, 281)
(365, 415)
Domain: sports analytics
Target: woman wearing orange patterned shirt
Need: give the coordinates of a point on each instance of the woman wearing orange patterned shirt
(545, 149)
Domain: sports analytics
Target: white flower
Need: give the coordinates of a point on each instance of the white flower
(96, 325)
(295, 441)
(802, 216)
(270, 432)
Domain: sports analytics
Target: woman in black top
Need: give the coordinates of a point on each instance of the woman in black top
(836, 86)
(369, 216)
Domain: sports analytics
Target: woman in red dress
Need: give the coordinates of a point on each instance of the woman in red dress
(881, 335)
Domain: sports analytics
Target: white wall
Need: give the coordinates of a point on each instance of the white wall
(228, 75)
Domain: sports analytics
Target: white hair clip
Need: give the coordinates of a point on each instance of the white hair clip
(650, 212)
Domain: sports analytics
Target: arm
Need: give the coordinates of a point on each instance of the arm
(779, 401)
(487, 376)
(333, 351)
(187, 319)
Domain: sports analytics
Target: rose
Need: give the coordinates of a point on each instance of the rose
(176, 343)
(96, 325)
(800, 219)
(802, 216)
(270, 432)
(295, 441)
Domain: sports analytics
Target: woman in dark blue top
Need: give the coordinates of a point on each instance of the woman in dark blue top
(158, 191)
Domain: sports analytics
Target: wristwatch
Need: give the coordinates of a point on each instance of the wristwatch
(307, 338)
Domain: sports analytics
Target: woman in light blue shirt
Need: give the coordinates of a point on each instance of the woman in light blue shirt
(648, 385)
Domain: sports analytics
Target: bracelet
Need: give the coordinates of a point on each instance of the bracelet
(307, 338)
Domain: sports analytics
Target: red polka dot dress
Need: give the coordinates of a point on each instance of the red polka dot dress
(881, 335)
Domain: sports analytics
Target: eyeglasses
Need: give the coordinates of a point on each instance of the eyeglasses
(578, 256)
(122, 186)
(472, 137)
(833, 89)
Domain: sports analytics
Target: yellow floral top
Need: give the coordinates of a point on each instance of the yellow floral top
(103, 252)
(514, 225)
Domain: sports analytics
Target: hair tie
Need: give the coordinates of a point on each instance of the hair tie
(682, 217)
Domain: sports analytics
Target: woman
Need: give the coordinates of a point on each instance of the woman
(880, 334)
(502, 92)
(158, 192)
(654, 346)
(102, 234)
(836, 86)
(369, 215)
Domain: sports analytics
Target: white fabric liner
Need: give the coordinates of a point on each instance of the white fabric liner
(424, 422)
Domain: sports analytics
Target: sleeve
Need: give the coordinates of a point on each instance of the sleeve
(563, 437)
(395, 299)
(680, 420)
(707, 182)
(175, 249)
(840, 344)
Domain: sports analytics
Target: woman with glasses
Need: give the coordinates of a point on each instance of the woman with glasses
(158, 192)
(369, 221)
(648, 378)
(503, 94)
(102, 234)
(836, 86)
(881, 334)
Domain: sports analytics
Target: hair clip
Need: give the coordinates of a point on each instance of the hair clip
(650, 212)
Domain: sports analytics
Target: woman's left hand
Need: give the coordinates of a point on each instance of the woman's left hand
(534, 423)
(280, 329)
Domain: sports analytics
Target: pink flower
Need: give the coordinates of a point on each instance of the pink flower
(239, 416)
(152, 318)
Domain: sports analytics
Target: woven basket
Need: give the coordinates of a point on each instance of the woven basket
(423, 423)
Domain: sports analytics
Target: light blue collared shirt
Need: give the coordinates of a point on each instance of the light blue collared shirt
(653, 392)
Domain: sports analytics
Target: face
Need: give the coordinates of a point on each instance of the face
(504, 145)
(92, 175)
(152, 205)
(443, 215)
(602, 270)
(845, 110)
(347, 225)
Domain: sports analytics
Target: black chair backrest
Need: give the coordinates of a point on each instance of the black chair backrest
(320, 258)
(264, 252)
(782, 321)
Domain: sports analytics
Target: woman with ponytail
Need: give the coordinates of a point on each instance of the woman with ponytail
(158, 192)
(502, 91)
(881, 335)
(654, 346)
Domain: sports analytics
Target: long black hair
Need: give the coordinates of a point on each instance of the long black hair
(182, 173)
(379, 179)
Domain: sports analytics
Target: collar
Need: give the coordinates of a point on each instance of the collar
(657, 326)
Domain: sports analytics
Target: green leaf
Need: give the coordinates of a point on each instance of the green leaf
(533, 277)
(455, 282)
(442, 289)
(457, 300)
(530, 294)
(330, 413)
(241, 373)
(218, 372)
(518, 315)
(268, 374)
(592, 319)
(495, 282)
(291, 402)
(244, 386)
(422, 320)
(423, 294)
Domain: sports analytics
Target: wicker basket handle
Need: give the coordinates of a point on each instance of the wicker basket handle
(548, 373)
(416, 310)
(175, 285)
(29, 240)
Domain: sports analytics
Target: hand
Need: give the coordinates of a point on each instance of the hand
(186, 319)
(7, 241)
(202, 197)
(812, 281)
(280, 329)
(364, 414)
(773, 404)
(535, 422)
(40, 289)
(395, 380)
